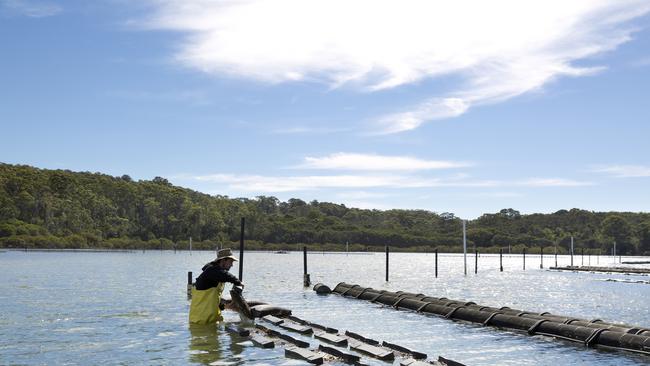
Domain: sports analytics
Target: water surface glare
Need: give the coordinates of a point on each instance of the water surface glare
(81, 308)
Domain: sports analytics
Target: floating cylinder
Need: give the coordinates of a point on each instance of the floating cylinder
(589, 332)
(322, 289)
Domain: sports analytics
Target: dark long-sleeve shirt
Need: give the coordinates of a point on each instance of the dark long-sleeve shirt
(212, 276)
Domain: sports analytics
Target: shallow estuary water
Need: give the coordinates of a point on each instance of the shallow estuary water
(130, 308)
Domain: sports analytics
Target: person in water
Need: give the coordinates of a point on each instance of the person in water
(206, 303)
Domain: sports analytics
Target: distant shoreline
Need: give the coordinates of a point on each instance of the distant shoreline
(310, 252)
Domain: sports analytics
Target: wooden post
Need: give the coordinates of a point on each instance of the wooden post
(436, 266)
(241, 249)
(541, 256)
(501, 259)
(572, 251)
(304, 258)
(386, 263)
(189, 285)
(305, 278)
(582, 256)
(475, 261)
(524, 259)
(555, 255)
(464, 249)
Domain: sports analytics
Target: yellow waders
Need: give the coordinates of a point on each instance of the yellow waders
(204, 308)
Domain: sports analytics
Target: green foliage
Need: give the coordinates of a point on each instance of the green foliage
(63, 209)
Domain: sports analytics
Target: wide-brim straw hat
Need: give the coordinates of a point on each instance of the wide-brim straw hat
(223, 254)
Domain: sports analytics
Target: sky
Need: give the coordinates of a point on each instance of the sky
(466, 107)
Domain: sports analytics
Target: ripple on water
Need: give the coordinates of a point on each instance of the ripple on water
(106, 317)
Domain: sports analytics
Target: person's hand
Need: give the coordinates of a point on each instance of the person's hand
(241, 284)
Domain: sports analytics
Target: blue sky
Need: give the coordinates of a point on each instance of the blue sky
(465, 108)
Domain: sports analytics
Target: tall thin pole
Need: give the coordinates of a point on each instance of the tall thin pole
(190, 245)
(501, 259)
(241, 249)
(464, 248)
(476, 261)
(541, 257)
(615, 251)
(304, 259)
(189, 285)
(436, 266)
(524, 259)
(386, 263)
(582, 256)
(572, 251)
(556, 255)
(305, 278)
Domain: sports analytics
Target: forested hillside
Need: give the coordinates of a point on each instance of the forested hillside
(64, 209)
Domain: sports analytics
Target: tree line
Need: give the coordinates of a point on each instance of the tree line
(42, 208)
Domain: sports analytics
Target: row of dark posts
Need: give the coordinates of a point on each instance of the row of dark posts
(541, 264)
(306, 277)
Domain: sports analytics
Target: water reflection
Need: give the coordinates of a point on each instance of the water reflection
(204, 344)
(213, 345)
(34, 333)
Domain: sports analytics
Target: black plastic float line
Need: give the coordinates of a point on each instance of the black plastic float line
(389, 298)
(443, 311)
(590, 333)
(603, 269)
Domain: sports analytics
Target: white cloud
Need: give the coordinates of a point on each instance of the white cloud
(351, 161)
(268, 184)
(435, 108)
(256, 183)
(496, 49)
(33, 9)
(624, 171)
